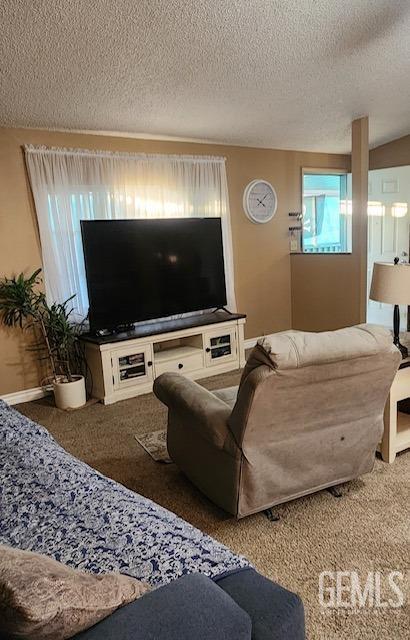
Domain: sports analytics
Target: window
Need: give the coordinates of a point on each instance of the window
(327, 212)
(70, 185)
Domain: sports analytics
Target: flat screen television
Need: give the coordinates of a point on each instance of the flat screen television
(144, 269)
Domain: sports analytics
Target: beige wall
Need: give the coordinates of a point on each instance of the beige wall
(261, 252)
(325, 292)
(328, 291)
(393, 154)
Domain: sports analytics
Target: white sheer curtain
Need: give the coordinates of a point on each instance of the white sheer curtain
(70, 185)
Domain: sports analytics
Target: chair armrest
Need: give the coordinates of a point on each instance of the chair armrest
(196, 406)
(276, 613)
(190, 608)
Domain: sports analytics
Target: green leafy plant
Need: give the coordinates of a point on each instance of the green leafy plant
(18, 299)
(23, 304)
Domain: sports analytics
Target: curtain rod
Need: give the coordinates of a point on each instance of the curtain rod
(89, 153)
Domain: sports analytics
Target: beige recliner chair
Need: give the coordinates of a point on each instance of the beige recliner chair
(308, 414)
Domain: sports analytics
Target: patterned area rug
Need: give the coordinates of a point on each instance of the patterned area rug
(155, 443)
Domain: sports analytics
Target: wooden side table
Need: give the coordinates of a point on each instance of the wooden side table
(396, 435)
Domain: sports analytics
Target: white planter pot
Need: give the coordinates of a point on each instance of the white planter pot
(70, 395)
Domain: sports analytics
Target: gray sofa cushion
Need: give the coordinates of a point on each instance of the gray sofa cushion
(276, 614)
(239, 606)
(192, 607)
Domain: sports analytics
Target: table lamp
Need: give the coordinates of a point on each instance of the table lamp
(391, 284)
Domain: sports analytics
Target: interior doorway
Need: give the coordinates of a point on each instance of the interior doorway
(388, 231)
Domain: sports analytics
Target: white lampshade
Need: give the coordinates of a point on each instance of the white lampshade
(391, 283)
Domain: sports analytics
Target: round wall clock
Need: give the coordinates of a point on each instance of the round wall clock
(260, 201)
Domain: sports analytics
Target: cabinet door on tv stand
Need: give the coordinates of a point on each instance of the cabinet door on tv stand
(131, 366)
(220, 346)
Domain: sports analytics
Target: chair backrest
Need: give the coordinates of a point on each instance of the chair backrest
(298, 381)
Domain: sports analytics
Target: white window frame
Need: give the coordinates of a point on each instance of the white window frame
(322, 171)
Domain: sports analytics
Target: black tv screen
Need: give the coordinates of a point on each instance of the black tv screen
(143, 269)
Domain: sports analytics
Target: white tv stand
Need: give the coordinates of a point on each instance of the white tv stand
(125, 365)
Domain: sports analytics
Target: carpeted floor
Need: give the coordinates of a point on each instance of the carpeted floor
(366, 530)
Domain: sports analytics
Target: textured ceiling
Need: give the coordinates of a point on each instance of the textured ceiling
(272, 73)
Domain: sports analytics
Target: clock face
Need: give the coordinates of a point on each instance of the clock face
(260, 201)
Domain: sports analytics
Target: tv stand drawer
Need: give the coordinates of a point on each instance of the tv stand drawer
(181, 363)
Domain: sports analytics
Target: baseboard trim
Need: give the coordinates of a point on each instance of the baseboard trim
(27, 395)
(251, 342)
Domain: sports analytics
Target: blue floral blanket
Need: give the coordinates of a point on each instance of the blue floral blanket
(52, 503)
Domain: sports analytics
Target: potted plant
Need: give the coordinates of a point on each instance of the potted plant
(23, 304)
